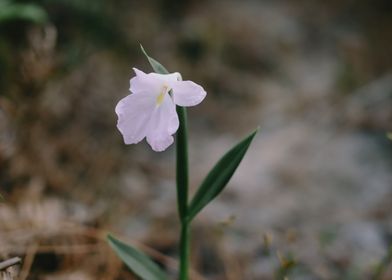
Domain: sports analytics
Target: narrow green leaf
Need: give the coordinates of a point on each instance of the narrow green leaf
(16, 11)
(219, 176)
(158, 68)
(1, 198)
(137, 261)
(182, 164)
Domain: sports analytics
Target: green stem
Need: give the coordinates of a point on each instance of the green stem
(184, 251)
(182, 164)
(182, 191)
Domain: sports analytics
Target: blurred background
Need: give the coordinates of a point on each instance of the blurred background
(312, 198)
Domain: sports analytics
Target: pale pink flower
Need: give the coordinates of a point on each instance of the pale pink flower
(150, 110)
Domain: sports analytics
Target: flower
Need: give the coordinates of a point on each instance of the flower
(150, 110)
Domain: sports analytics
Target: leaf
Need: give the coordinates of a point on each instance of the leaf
(15, 11)
(137, 261)
(219, 176)
(389, 135)
(1, 198)
(158, 68)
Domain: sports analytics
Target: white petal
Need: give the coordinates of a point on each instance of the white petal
(168, 78)
(134, 113)
(187, 93)
(163, 124)
(151, 83)
(145, 83)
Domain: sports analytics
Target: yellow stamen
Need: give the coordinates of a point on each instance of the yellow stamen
(161, 95)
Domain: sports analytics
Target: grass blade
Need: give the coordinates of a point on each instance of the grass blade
(137, 261)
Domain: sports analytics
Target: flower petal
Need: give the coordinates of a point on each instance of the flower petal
(151, 83)
(145, 83)
(187, 93)
(134, 113)
(163, 124)
(168, 78)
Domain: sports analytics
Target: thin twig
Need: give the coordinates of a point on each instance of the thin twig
(8, 263)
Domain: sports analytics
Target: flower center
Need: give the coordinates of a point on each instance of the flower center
(161, 95)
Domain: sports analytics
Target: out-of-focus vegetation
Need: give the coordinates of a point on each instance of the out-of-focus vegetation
(316, 77)
(74, 28)
(10, 11)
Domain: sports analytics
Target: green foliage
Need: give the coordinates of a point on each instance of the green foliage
(219, 176)
(137, 261)
(158, 68)
(17, 11)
